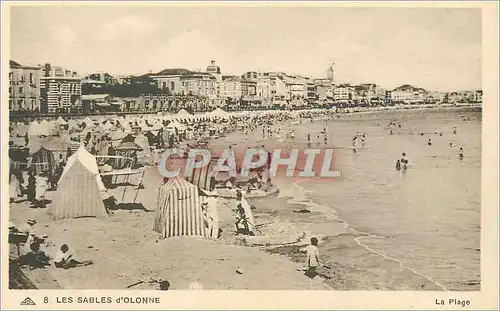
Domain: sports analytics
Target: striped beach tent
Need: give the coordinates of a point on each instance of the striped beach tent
(77, 195)
(179, 210)
(201, 177)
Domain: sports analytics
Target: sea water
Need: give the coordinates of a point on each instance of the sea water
(426, 219)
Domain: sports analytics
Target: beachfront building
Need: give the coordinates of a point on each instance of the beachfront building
(474, 96)
(408, 95)
(249, 96)
(182, 82)
(168, 103)
(60, 90)
(324, 89)
(434, 97)
(263, 87)
(295, 90)
(343, 93)
(24, 87)
(103, 77)
(215, 71)
(99, 102)
(311, 91)
(278, 89)
(369, 94)
(230, 87)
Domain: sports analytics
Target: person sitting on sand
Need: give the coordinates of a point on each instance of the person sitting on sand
(164, 285)
(312, 258)
(35, 258)
(66, 260)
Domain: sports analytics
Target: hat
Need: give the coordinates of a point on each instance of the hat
(31, 222)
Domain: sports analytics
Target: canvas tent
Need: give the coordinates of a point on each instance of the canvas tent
(179, 210)
(38, 129)
(219, 113)
(183, 114)
(78, 195)
(88, 161)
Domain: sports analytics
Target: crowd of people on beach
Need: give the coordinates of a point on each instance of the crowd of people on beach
(104, 138)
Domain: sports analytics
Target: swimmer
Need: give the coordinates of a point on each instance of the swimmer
(391, 132)
(354, 141)
(363, 142)
(455, 130)
(308, 137)
(461, 153)
(398, 165)
(429, 142)
(451, 145)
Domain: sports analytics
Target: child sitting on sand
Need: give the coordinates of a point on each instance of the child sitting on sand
(65, 259)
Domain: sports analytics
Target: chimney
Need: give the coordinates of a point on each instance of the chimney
(47, 69)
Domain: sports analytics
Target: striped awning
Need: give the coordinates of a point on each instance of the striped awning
(179, 210)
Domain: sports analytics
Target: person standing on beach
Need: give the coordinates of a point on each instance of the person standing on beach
(404, 161)
(398, 165)
(312, 258)
(461, 153)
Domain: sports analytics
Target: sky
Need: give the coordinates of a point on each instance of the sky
(435, 48)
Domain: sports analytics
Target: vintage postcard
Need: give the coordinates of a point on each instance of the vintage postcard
(249, 155)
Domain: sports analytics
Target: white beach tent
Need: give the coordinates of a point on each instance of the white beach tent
(61, 121)
(50, 126)
(88, 161)
(183, 114)
(38, 129)
(219, 113)
(176, 125)
(78, 194)
(89, 123)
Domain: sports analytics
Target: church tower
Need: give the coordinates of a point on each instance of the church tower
(331, 72)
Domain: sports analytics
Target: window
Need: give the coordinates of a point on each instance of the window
(11, 76)
(21, 89)
(164, 85)
(10, 104)
(172, 85)
(10, 90)
(32, 81)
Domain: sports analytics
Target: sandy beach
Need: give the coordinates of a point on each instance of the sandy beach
(270, 260)
(136, 254)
